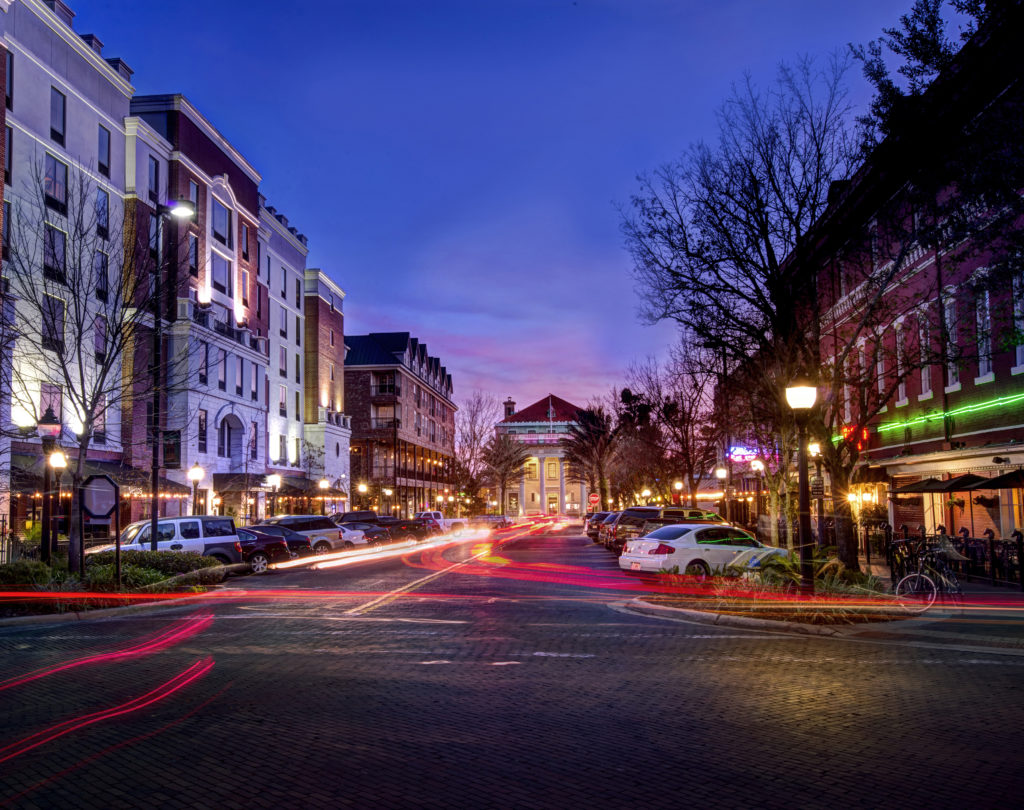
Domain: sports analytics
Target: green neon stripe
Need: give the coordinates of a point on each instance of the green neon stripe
(988, 404)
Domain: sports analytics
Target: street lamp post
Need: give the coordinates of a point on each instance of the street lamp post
(274, 482)
(362, 495)
(195, 475)
(814, 448)
(678, 487)
(801, 397)
(758, 466)
(48, 428)
(180, 209)
(323, 484)
(722, 474)
(58, 461)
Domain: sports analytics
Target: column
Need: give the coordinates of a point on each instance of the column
(522, 496)
(541, 472)
(561, 486)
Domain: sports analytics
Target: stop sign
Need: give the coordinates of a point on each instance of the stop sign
(594, 499)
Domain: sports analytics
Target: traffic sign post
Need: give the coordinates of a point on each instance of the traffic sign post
(594, 499)
(100, 498)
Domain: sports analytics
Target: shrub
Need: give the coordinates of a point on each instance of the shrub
(167, 563)
(101, 577)
(26, 572)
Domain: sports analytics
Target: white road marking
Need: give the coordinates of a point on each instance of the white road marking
(504, 663)
(563, 655)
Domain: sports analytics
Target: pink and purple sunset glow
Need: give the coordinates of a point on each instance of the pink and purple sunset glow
(457, 165)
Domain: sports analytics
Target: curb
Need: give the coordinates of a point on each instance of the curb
(876, 631)
(84, 615)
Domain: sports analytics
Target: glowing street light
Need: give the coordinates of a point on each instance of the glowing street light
(323, 483)
(195, 475)
(274, 482)
(801, 396)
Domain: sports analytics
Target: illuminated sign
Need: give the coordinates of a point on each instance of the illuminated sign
(741, 454)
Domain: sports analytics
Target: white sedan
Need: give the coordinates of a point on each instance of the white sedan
(691, 548)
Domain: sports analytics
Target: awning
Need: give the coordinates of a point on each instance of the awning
(1011, 480)
(239, 482)
(27, 475)
(961, 483)
(926, 485)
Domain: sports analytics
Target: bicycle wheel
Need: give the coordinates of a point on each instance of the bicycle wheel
(916, 593)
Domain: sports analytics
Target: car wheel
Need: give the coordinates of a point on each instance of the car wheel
(698, 569)
(323, 547)
(259, 563)
(348, 545)
(409, 538)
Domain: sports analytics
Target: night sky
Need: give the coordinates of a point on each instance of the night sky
(457, 166)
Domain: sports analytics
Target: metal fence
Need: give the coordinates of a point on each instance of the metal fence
(988, 559)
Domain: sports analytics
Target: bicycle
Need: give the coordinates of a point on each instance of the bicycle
(918, 590)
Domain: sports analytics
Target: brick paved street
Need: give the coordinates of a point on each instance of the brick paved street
(511, 690)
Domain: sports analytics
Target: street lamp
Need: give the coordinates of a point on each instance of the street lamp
(721, 473)
(48, 428)
(58, 461)
(274, 482)
(645, 494)
(195, 475)
(758, 466)
(801, 396)
(323, 483)
(179, 209)
(814, 448)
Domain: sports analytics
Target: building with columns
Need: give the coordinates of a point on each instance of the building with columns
(546, 486)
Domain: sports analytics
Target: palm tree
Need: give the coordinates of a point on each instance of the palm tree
(590, 444)
(503, 459)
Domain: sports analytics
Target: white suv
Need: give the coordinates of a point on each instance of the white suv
(209, 535)
(323, 533)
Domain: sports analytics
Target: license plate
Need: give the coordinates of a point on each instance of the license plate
(634, 566)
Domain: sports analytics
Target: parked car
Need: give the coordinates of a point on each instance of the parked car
(416, 529)
(446, 524)
(692, 548)
(298, 544)
(209, 535)
(260, 550)
(678, 512)
(604, 526)
(592, 522)
(375, 535)
(323, 533)
(358, 516)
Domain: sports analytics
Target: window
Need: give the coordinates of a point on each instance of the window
(239, 375)
(103, 151)
(10, 80)
(7, 230)
(332, 337)
(282, 400)
(102, 213)
(282, 449)
(901, 380)
(54, 253)
(193, 255)
(298, 368)
(243, 237)
(983, 333)
(58, 115)
(99, 420)
(255, 383)
(259, 301)
(221, 273)
(924, 339)
(952, 367)
(284, 284)
(296, 450)
(298, 293)
(244, 282)
(55, 184)
(551, 472)
(154, 180)
(284, 322)
(332, 372)
(8, 153)
(51, 397)
(201, 422)
(204, 362)
(99, 338)
(224, 439)
(531, 470)
(298, 406)
(53, 324)
(254, 441)
(172, 449)
(222, 371)
(222, 224)
(193, 195)
(298, 331)
(189, 529)
(154, 235)
(282, 363)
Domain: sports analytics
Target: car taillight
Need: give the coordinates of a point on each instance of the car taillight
(341, 535)
(238, 547)
(662, 549)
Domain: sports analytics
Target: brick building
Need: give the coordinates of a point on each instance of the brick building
(403, 423)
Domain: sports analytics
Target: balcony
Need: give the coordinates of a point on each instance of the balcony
(386, 390)
(377, 423)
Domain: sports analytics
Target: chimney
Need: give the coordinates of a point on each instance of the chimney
(282, 219)
(64, 14)
(510, 408)
(118, 64)
(93, 42)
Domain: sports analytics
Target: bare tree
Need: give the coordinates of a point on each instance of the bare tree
(80, 273)
(474, 427)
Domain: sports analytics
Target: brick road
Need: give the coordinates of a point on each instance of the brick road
(512, 690)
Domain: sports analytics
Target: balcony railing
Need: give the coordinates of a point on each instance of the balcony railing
(537, 438)
(386, 390)
(385, 424)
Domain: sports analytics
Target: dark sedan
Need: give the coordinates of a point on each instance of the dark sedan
(415, 529)
(375, 535)
(260, 550)
(298, 544)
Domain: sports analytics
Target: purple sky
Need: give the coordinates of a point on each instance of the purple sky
(456, 164)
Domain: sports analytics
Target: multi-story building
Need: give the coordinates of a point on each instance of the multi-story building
(403, 423)
(217, 310)
(327, 429)
(546, 486)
